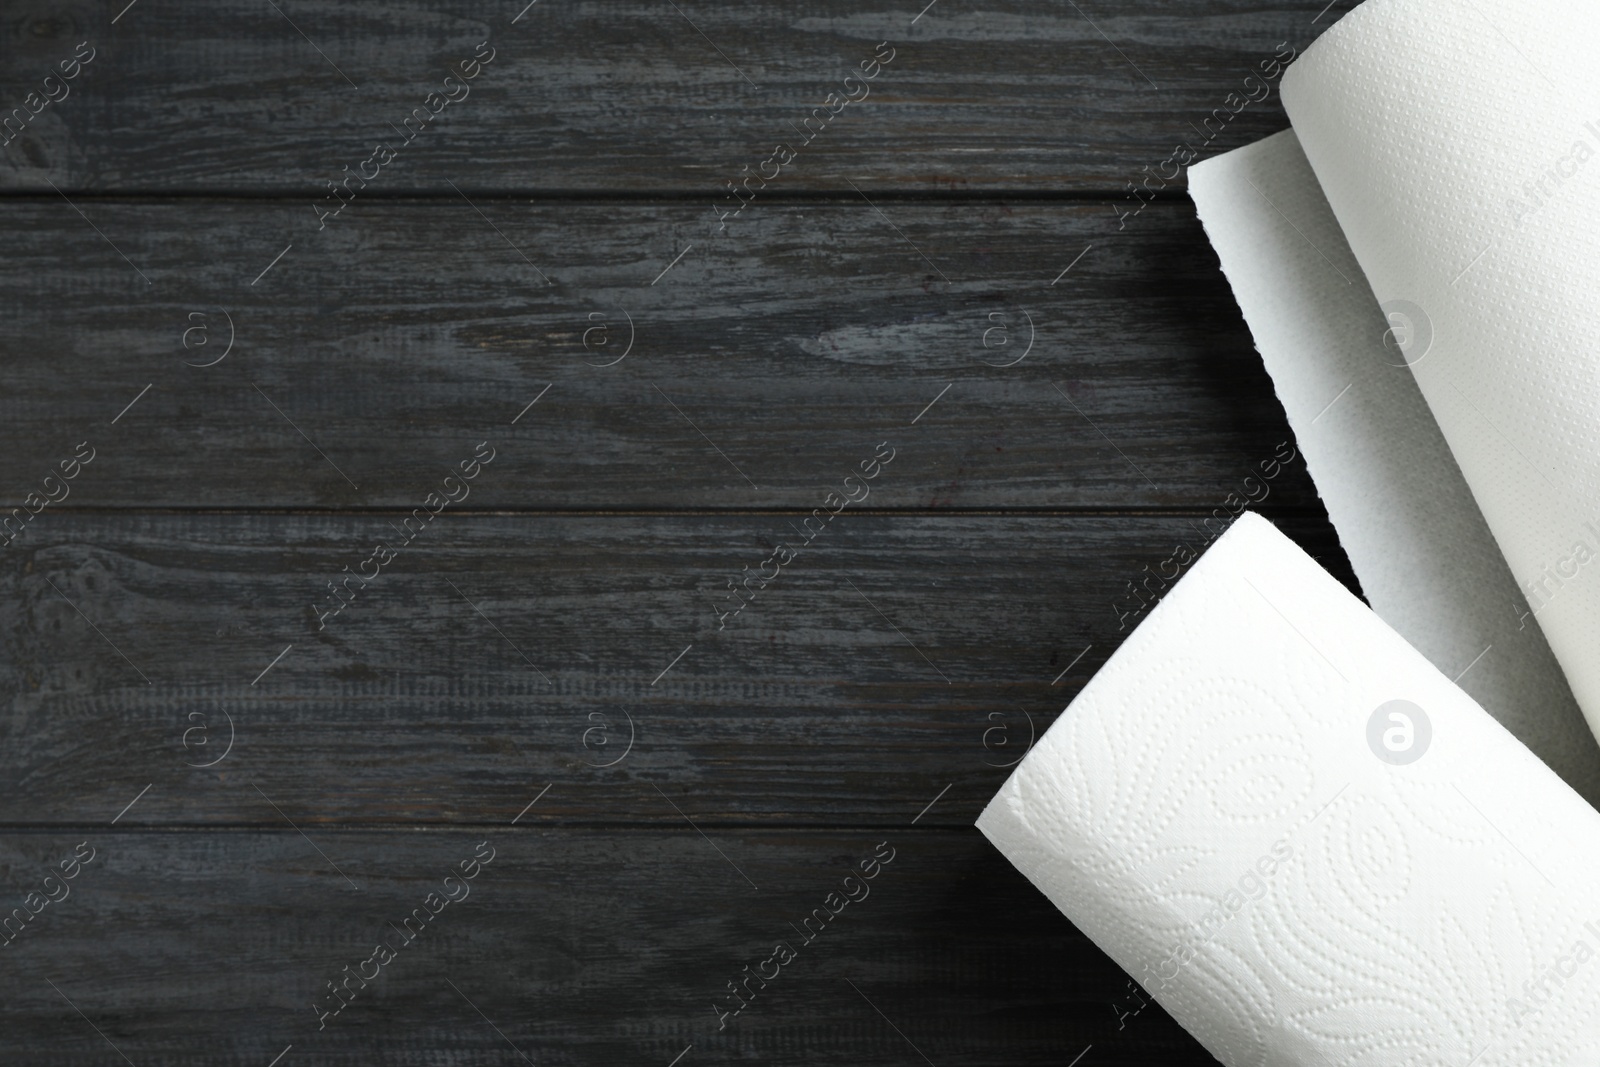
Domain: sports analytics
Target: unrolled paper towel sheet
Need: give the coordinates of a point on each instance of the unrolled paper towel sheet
(1455, 141)
(1232, 811)
(1405, 517)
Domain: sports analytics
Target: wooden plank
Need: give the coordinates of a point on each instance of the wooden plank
(543, 666)
(372, 358)
(569, 947)
(893, 655)
(234, 95)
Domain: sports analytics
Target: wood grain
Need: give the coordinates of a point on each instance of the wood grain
(576, 947)
(374, 356)
(894, 655)
(628, 95)
(542, 665)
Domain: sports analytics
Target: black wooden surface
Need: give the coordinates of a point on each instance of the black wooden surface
(954, 271)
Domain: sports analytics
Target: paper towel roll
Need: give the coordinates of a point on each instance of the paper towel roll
(1307, 843)
(1456, 143)
(1427, 562)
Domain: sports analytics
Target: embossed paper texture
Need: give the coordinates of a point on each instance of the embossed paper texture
(1307, 843)
(1406, 519)
(1456, 145)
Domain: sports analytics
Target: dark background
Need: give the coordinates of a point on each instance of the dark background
(555, 636)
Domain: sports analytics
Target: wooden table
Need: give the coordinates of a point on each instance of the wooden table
(539, 492)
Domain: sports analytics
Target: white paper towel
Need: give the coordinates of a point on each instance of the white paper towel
(1455, 141)
(1224, 810)
(1427, 562)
